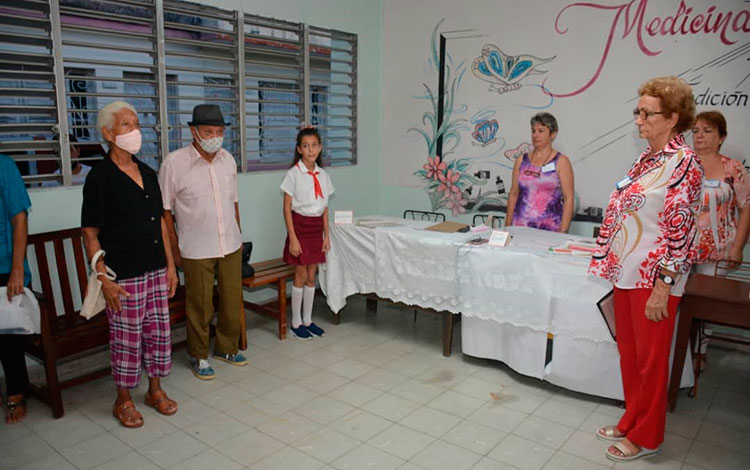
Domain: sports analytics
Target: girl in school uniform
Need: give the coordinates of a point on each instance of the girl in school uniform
(306, 188)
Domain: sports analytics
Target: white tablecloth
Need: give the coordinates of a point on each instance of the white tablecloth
(507, 294)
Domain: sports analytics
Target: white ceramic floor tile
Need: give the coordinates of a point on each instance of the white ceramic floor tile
(288, 427)
(473, 436)
(377, 357)
(401, 441)
(456, 403)
(391, 407)
(407, 365)
(53, 461)
(658, 461)
(366, 457)
(321, 358)
(326, 444)
(293, 369)
(208, 459)
(322, 381)
(355, 393)
(288, 458)
(350, 369)
(226, 398)
(714, 457)
(441, 455)
(249, 447)
(261, 383)
(12, 432)
(95, 451)
(498, 417)
(563, 461)
(360, 425)
(69, 430)
(721, 436)
(130, 461)
(172, 449)
(517, 399)
(257, 411)
(543, 432)
(430, 421)
(154, 427)
(216, 429)
(521, 453)
(562, 413)
(416, 391)
(290, 395)
(190, 412)
(382, 379)
(486, 463)
(324, 409)
(585, 445)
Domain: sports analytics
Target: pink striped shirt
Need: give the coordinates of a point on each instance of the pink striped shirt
(202, 196)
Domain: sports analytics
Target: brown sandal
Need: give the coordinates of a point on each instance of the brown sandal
(15, 409)
(162, 403)
(128, 415)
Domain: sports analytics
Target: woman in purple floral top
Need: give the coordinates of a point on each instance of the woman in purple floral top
(542, 192)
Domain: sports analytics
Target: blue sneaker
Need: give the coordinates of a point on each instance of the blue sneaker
(202, 369)
(315, 329)
(234, 359)
(301, 332)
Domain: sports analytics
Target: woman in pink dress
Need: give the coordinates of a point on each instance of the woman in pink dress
(542, 192)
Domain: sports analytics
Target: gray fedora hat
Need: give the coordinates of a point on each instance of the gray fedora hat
(207, 115)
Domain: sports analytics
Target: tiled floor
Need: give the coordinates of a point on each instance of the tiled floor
(375, 393)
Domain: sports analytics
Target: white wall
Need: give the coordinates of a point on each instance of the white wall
(596, 125)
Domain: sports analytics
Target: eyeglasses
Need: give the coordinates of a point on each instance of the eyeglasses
(644, 114)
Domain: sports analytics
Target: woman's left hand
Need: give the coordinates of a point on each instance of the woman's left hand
(172, 280)
(326, 244)
(735, 257)
(656, 305)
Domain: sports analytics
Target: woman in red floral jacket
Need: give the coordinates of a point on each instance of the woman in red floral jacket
(645, 248)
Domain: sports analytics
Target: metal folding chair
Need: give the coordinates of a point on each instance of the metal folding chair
(424, 215)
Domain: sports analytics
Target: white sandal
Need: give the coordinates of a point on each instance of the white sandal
(607, 433)
(627, 455)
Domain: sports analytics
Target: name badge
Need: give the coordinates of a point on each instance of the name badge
(499, 238)
(712, 183)
(343, 217)
(623, 183)
(548, 167)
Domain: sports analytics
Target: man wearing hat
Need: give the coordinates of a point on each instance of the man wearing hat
(199, 189)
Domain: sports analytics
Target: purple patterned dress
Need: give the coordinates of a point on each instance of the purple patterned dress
(540, 201)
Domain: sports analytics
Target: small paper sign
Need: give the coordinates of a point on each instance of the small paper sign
(343, 217)
(499, 238)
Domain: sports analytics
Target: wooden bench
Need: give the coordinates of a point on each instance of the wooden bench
(273, 273)
(66, 335)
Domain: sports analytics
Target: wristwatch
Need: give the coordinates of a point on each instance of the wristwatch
(666, 278)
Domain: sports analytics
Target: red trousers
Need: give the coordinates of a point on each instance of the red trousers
(644, 363)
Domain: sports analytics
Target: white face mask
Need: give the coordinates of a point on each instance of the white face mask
(130, 142)
(211, 145)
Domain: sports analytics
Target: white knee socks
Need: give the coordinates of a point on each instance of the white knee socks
(307, 305)
(296, 306)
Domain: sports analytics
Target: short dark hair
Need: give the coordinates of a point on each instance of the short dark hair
(716, 119)
(547, 120)
(303, 133)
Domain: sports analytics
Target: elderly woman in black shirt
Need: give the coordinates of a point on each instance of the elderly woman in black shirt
(122, 215)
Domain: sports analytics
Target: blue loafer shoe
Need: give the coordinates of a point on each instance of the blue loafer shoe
(234, 359)
(301, 332)
(315, 329)
(202, 369)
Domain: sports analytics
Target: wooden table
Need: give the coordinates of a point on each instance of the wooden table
(713, 299)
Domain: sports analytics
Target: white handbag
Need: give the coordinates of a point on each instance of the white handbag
(19, 316)
(94, 302)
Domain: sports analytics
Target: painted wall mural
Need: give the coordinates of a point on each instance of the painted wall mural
(581, 61)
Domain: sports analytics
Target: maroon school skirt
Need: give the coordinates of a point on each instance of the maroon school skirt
(309, 231)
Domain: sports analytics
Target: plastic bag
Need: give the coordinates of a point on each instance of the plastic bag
(21, 315)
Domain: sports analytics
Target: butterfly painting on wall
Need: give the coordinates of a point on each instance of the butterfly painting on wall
(485, 132)
(505, 72)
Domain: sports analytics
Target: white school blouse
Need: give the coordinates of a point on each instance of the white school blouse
(299, 184)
